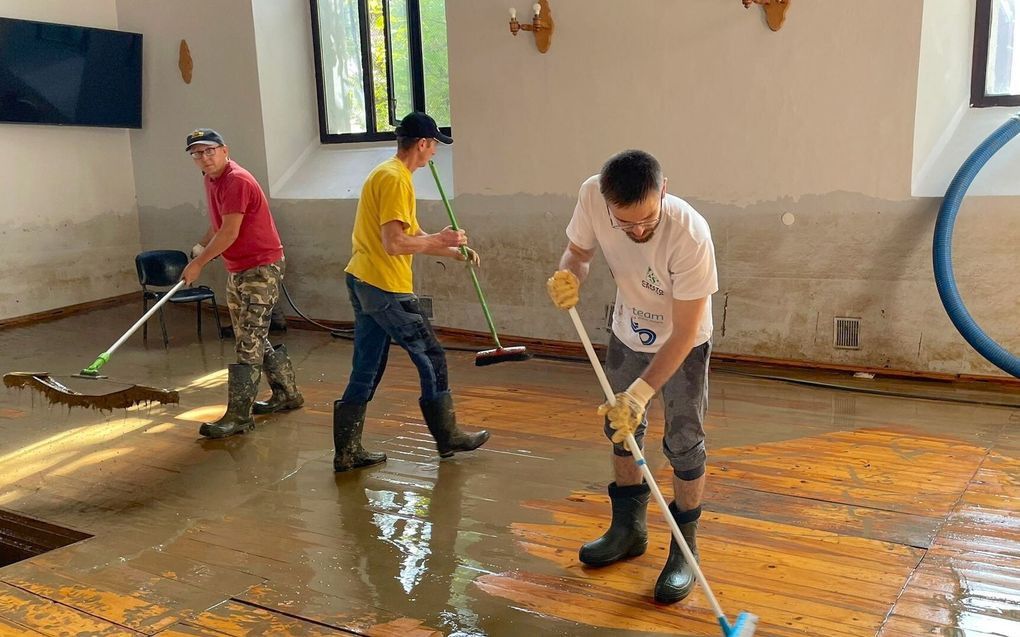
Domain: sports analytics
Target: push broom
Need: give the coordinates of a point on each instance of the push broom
(490, 356)
(746, 622)
(88, 388)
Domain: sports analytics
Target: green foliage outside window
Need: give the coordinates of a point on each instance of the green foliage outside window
(340, 44)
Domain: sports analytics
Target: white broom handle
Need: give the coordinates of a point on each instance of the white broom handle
(583, 334)
(145, 317)
(639, 460)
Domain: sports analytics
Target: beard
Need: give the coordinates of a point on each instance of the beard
(643, 239)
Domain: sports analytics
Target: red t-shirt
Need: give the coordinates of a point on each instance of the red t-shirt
(235, 191)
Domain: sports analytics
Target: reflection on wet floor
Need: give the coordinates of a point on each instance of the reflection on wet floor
(827, 512)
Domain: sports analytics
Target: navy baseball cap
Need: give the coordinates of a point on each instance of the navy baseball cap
(204, 137)
(421, 125)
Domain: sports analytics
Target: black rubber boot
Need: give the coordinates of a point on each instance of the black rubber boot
(441, 419)
(242, 385)
(348, 423)
(628, 533)
(280, 374)
(677, 577)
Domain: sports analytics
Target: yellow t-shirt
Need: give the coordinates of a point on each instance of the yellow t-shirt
(388, 195)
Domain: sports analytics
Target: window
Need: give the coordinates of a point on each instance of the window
(376, 61)
(995, 78)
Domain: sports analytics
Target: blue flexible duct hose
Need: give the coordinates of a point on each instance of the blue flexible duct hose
(942, 250)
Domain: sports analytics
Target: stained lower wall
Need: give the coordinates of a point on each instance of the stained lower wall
(780, 285)
(70, 228)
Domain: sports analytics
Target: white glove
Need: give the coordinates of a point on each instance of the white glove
(196, 250)
(626, 414)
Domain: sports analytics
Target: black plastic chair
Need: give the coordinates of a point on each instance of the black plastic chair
(163, 268)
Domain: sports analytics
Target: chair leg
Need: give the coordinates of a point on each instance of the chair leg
(198, 316)
(145, 325)
(216, 315)
(162, 325)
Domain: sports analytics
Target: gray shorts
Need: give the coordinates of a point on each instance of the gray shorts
(685, 396)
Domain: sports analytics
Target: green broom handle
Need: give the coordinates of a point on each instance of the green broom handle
(104, 358)
(463, 250)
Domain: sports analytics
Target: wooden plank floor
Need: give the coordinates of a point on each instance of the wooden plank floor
(827, 512)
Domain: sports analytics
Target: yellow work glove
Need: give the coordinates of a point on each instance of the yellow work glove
(472, 256)
(626, 414)
(563, 289)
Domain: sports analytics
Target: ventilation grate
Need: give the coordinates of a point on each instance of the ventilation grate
(846, 333)
(425, 303)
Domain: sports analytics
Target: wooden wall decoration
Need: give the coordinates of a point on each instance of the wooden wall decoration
(185, 63)
(775, 11)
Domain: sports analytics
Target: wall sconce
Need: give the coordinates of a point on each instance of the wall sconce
(542, 24)
(775, 11)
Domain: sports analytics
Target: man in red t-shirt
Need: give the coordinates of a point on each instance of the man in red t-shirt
(242, 231)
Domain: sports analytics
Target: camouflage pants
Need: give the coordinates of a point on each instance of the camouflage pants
(251, 295)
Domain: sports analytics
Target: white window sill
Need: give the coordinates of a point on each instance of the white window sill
(997, 178)
(337, 171)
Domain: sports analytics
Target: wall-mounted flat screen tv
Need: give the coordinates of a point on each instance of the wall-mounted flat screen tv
(69, 75)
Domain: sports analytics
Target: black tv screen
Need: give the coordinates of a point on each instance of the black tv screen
(69, 75)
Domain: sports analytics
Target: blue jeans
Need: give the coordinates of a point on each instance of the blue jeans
(378, 317)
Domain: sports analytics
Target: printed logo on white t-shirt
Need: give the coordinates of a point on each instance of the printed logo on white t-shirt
(643, 315)
(646, 335)
(651, 282)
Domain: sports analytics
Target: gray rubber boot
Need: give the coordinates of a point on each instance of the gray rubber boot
(441, 419)
(348, 424)
(627, 535)
(242, 385)
(677, 577)
(280, 374)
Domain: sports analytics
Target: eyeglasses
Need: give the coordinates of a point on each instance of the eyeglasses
(207, 152)
(647, 224)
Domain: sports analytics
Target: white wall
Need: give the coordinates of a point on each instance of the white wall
(738, 113)
(816, 120)
(287, 81)
(223, 93)
(943, 80)
(70, 224)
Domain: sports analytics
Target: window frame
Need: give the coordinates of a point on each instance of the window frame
(979, 68)
(417, 67)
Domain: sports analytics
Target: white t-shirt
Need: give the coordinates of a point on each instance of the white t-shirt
(678, 262)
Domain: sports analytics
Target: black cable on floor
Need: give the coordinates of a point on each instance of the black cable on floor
(333, 331)
(876, 392)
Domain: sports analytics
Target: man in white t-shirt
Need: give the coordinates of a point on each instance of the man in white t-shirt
(660, 252)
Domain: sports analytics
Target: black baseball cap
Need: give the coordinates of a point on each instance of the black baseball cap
(421, 125)
(204, 137)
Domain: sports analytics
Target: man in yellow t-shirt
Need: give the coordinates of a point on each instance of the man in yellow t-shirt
(379, 282)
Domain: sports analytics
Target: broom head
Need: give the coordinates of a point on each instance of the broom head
(89, 392)
(743, 627)
(501, 355)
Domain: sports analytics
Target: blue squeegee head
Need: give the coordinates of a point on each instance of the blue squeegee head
(743, 627)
